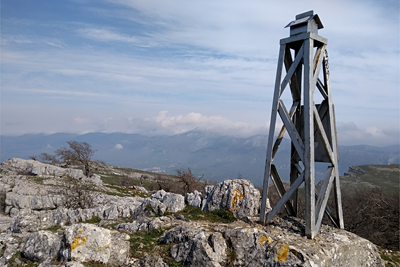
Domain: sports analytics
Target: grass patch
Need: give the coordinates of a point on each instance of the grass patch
(121, 192)
(22, 262)
(37, 179)
(54, 228)
(93, 264)
(93, 220)
(143, 243)
(216, 216)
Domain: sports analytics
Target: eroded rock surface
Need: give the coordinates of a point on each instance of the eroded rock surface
(238, 196)
(87, 242)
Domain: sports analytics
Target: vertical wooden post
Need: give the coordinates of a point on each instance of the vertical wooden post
(274, 111)
(309, 171)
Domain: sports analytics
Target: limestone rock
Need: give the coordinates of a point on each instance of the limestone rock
(196, 247)
(238, 196)
(194, 199)
(146, 224)
(173, 202)
(149, 207)
(150, 261)
(41, 246)
(87, 242)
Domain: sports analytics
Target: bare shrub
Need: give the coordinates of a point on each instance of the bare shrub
(78, 153)
(188, 181)
(76, 195)
(49, 159)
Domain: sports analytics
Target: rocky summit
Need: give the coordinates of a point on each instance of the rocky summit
(54, 216)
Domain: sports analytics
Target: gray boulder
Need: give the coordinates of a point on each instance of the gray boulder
(87, 242)
(173, 202)
(41, 246)
(149, 207)
(146, 224)
(196, 247)
(194, 199)
(150, 261)
(238, 196)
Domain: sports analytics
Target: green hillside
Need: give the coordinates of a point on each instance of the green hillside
(387, 177)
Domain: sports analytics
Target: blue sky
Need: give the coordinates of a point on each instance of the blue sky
(165, 67)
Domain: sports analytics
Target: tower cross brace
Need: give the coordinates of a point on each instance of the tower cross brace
(311, 127)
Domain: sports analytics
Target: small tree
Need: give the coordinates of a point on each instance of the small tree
(188, 181)
(78, 153)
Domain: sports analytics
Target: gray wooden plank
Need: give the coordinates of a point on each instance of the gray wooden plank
(321, 89)
(285, 197)
(292, 69)
(283, 131)
(274, 112)
(309, 172)
(295, 87)
(338, 195)
(303, 36)
(323, 193)
(324, 137)
(281, 190)
(291, 129)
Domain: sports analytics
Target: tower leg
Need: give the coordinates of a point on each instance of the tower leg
(275, 104)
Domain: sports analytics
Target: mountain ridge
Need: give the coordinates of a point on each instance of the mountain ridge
(216, 156)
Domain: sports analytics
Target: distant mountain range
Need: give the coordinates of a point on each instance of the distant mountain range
(216, 156)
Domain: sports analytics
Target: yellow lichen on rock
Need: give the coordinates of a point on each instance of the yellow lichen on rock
(237, 196)
(282, 251)
(265, 240)
(78, 241)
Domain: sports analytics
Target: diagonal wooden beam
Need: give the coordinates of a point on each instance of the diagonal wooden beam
(329, 213)
(327, 179)
(321, 89)
(294, 135)
(318, 59)
(286, 196)
(283, 131)
(276, 179)
(324, 137)
(292, 69)
(295, 87)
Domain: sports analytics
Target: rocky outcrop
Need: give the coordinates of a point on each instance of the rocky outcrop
(41, 246)
(87, 242)
(173, 202)
(281, 244)
(194, 199)
(32, 207)
(238, 196)
(196, 247)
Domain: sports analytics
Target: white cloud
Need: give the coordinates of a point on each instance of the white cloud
(118, 146)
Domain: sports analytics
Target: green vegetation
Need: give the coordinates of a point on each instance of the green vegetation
(94, 264)
(217, 216)
(385, 176)
(391, 258)
(93, 220)
(176, 264)
(143, 243)
(17, 261)
(54, 228)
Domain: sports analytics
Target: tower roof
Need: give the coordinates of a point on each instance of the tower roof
(304, 18)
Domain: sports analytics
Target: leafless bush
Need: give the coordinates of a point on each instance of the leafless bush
(184, 182)
(188, 181)
(77, 153)
(76, 195)
(49, 159)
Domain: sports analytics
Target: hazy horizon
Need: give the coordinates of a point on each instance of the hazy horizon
(157, 67)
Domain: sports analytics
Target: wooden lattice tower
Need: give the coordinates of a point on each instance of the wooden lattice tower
(311, 127)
